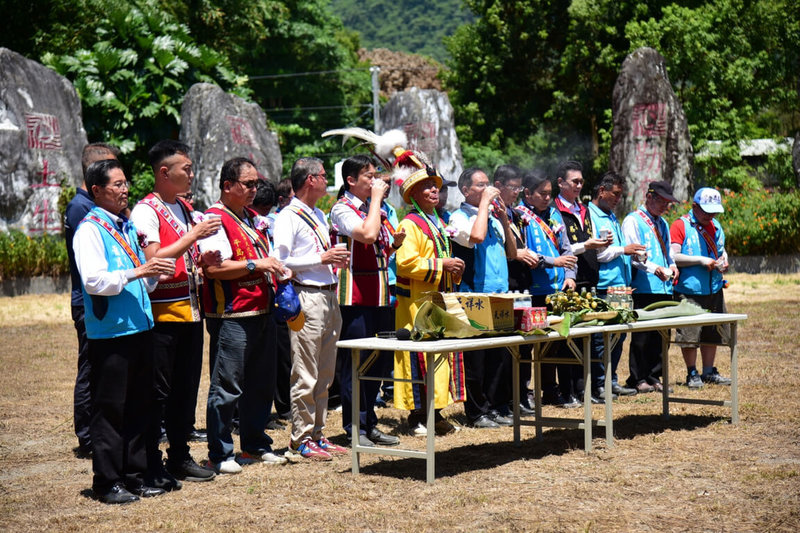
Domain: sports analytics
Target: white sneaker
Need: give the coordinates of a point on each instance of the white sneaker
(228, 466)
(420, 431)
(268, 457)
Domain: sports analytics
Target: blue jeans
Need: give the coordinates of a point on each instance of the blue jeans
(243, 351)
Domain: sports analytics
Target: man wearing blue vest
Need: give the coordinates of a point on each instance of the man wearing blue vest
(77, 208)
(652, 281)
(484, 240)
(614, 271)
(698, 245)
(116, 281)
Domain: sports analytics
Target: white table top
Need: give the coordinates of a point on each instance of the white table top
(477, 343)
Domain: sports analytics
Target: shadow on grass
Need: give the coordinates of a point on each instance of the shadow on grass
(482, 456)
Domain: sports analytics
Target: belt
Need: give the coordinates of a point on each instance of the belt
(331, 287)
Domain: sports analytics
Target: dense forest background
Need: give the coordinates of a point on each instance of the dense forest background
(413, 26)
(530, 81)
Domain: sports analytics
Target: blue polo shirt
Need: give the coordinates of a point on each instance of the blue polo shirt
(490, 273)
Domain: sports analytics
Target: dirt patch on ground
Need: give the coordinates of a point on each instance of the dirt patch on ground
(694, 471)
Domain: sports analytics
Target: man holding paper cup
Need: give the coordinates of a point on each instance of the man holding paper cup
(172, 228)
(237, 303)
(116, 279)
(302, 241)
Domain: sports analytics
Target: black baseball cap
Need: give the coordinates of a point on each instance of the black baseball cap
(663, 189)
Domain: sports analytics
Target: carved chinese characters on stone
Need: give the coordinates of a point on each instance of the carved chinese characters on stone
(421, 136)
(41, 139)
(218, 126)
(650, 140)
(426, 116)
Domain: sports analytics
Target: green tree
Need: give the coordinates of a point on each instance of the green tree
(540, 74)
(413, 26)
(274, 41)
(132, 79)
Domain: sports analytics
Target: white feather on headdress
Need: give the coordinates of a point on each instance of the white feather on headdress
(383, 146)
(389, 141)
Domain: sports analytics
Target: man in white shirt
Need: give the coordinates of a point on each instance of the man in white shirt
(167, 223)
(302, 242)
(116, 280)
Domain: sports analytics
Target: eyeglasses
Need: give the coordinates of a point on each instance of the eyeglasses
(322, 175)
(516, 190)
(249, 184)
(118, 186)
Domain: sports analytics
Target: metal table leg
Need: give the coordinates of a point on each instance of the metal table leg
(356, 408)
(430, 424)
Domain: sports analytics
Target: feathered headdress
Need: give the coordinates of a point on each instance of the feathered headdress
(409, 166)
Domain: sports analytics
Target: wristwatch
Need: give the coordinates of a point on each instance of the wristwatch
(251, 266)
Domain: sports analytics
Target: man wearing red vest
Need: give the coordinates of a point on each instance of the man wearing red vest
(364, 285)
(171, 232)
(238, 300)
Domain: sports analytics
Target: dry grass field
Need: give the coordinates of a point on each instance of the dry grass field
(694, 471)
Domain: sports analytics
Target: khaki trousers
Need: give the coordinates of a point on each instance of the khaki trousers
(313, 361)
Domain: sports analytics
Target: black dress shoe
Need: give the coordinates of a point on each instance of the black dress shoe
(143, 491)
(525, 410)
(197, 436)
(570, 402)
(379, 437)
(484, 422)
(83, 451)
(188, 470)
(118, 495)
(618, 389)
(163, 480)
(274, 425)
(501, 420)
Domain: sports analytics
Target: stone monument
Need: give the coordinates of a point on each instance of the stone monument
(650, 140)
(426, 116)
(41, 140)
(218, 126)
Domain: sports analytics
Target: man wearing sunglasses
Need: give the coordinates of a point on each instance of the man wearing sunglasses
(237, 303)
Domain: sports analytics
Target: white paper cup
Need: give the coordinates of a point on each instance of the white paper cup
(340, 245)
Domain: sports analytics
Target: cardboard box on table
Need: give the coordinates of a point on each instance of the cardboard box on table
(483, 311)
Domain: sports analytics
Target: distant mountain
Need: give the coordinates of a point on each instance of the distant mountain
(414, 26)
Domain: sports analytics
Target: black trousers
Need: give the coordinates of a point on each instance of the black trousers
(644, 361)
(177, 364)
(359, 322)
(82, 398)
(487, 376)
(121, 381)
(283, 370)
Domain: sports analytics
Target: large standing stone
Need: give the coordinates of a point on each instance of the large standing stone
(41, 140)
(796, 158)
(218, 126)
(650, 140)
(427, 118)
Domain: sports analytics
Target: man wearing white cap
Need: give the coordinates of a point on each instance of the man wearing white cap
(698, 246)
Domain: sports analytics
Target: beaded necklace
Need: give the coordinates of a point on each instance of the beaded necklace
(441, 241)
